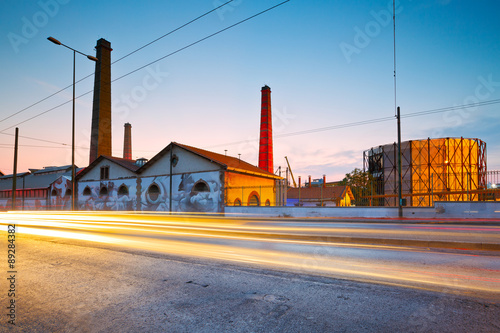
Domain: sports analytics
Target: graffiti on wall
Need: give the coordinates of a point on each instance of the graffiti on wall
(60, 194)
(117, 195)
(191, 192)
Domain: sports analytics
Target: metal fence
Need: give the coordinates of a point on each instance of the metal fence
(449, 186)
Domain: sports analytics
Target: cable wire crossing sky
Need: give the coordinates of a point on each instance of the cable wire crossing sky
(191, 72)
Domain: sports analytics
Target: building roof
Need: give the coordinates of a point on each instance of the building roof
(38, 179)
(320, 193)
(125, 163)
(52, 169)
(227, 162)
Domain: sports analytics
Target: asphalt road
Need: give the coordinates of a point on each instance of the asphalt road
(70, 285)
(315, 248)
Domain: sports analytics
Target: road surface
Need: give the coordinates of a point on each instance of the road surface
(71, 285)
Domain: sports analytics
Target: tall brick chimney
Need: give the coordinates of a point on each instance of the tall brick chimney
(100, 137)
(127, 142)
(266, 132)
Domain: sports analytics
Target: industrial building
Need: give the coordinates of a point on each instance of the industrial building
(443, 169)
(180, 178)
(322, 196)
(38, 189)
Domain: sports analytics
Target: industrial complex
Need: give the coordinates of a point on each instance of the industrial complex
(183, 178)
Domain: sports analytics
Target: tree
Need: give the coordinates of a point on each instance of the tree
(362, 185)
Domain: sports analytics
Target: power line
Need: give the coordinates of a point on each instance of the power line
(370, 121)
(452, 108)
(321, 129)
(202, 39)
(171, 32)
(42, 140)
(328, 128)
(44, 112)
(159, 59)
(125, 56)
(10, 146)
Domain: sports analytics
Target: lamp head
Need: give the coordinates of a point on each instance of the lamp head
(53, 40)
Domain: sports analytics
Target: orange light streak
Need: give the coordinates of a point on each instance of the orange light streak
(147, 232)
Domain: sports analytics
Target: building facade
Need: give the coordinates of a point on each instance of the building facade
(40, 189)
(320, 196)
(180, 178)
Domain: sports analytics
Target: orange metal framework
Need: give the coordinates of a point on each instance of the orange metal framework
(444, 169)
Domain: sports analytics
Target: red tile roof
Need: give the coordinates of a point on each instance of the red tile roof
(231, 163)
(316, 193)
(127, 164)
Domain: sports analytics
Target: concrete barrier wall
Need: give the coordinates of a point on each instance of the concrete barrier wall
(441, 210)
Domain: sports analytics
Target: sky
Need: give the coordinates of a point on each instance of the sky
(330, 66)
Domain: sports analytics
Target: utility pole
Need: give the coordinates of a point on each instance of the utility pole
(400, 196)
(171, 176)
(14, 176)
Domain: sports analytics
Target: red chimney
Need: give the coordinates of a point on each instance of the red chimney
(266, 132)
(310, 184)
(324, 180)
(127, 142)
(300, 185)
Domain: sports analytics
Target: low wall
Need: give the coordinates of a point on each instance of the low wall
(441, 210)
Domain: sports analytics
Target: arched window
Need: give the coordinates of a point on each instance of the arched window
(268, 203)
(54, 193)
(103, 191)
(237, 202)
(175, 159)
(153, 192)
(67, 193)
(253, 199)
(201, 186)
(87, 191)
(122, 190)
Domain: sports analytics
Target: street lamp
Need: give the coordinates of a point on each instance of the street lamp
(55, 41)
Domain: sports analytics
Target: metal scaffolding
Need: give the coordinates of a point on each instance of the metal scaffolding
(445, 169)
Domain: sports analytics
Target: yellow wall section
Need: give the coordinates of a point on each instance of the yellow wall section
(240, 186)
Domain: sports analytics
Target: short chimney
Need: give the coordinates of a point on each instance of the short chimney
(127, 142)
(310, 183)
(324, 180)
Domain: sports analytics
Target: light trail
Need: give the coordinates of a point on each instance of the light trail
(277, 246)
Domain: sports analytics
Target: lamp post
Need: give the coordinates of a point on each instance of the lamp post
(55, 41)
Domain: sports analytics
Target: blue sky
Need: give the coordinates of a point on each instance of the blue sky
(328, 63)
